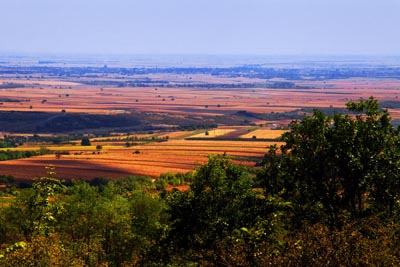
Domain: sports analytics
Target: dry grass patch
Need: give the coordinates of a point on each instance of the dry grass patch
(264, 133)
(214, 133)
(177, 134)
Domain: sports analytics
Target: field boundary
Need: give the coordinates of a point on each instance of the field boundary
(234, 139)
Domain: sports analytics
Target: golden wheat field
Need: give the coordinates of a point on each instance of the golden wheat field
(213, 133)
(264, 133)
(153, 159)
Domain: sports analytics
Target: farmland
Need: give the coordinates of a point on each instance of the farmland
(116, 160)
(49, 96)
(150, 121)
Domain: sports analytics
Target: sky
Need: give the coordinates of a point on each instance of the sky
(226, 27)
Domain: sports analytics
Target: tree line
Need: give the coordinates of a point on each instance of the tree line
(10, 155)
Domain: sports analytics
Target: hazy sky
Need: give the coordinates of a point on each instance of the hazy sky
(201, 26)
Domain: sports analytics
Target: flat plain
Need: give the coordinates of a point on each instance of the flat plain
(265, 112)
(55, 96)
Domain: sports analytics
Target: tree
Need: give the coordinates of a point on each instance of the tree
(221, 200)
(34, 211)
(337, 167)
(82, 223)
(85, 141)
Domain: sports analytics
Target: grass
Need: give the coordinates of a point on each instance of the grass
(213, 133)
(264, 133)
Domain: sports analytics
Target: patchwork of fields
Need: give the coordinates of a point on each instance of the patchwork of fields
(54, 96)
(174, 151)
(175, 155)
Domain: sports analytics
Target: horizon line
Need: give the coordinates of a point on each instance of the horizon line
(23, 53)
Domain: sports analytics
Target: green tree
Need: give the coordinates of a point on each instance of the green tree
(43, 251)
(85, 141)
(336, 167)
(221, 200)
(34, 210)
(117, 223)
(81, 224)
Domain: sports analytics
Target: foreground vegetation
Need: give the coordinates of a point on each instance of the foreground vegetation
(328, 197)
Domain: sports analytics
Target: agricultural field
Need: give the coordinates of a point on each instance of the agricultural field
(152, 121)
(214, 133)
(113, 161)
(264, 133)
(74, 97)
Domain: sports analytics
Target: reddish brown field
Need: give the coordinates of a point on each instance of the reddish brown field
(96, 99)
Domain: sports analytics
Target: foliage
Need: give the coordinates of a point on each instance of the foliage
(41, 251)
(116, 224)
(337, 168)
(5, 144)
(369, 242)
(172, 179)
(221, 200)
(10, 155)
(34, 211)
(85, 141)
(7, 179)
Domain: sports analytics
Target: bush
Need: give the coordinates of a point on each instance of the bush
(160, 184)
(85, 141)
